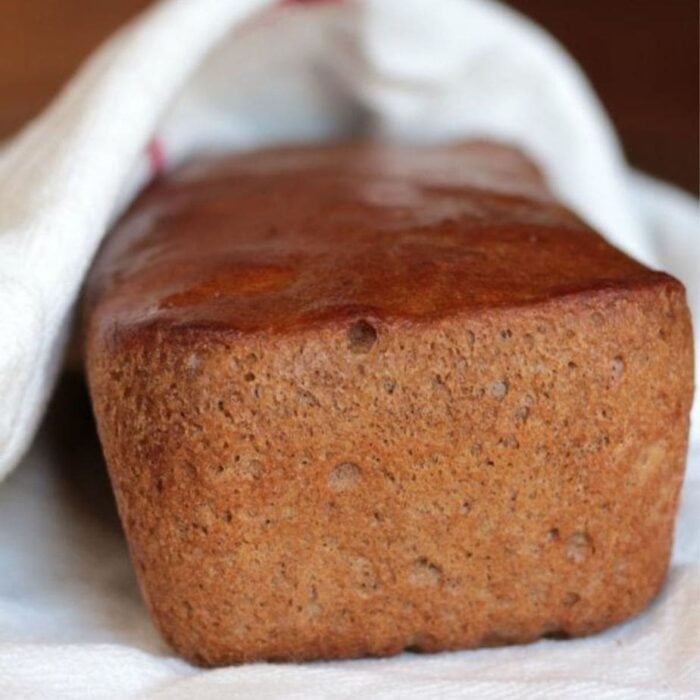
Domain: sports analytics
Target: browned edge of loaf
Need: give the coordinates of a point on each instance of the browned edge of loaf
(369, 483)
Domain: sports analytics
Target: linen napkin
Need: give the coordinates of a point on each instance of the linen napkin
(191, 75)
(195, 75)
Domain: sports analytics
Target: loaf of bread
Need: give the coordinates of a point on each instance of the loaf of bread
(358, 399)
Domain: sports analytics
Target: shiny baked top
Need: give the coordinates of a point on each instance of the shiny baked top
(285, 238)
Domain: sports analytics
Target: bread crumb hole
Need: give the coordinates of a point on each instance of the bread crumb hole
(313, 609)
(578, 547)
(424, 573)
(307, 398)
(499, 388)
(617, 367)
(361, 336)
(650, 461)
(344, 476)
(363, 575)
(552, 535)
(252, 469)
(522, 414)
(249, 377)
(570, 599)
(509, 441)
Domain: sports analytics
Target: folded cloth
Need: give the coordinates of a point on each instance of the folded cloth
(72, 624)
(161, 89)
(190, 76)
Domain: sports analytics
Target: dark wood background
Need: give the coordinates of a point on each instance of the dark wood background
(641, 55)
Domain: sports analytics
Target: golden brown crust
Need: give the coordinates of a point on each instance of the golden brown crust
(438, 435)
(290, 238)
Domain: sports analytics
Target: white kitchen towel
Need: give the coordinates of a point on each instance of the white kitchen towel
(161, 88)
(72, 624)
(193, 75)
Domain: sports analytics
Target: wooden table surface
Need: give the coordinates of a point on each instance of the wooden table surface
(641, 55)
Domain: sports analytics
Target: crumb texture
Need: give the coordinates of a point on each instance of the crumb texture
(440, 413)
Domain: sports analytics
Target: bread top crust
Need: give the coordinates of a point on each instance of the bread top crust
(288, 238)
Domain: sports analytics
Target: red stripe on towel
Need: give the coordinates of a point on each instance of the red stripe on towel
(156, 156)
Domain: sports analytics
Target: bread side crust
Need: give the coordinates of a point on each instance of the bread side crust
(372, 485)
